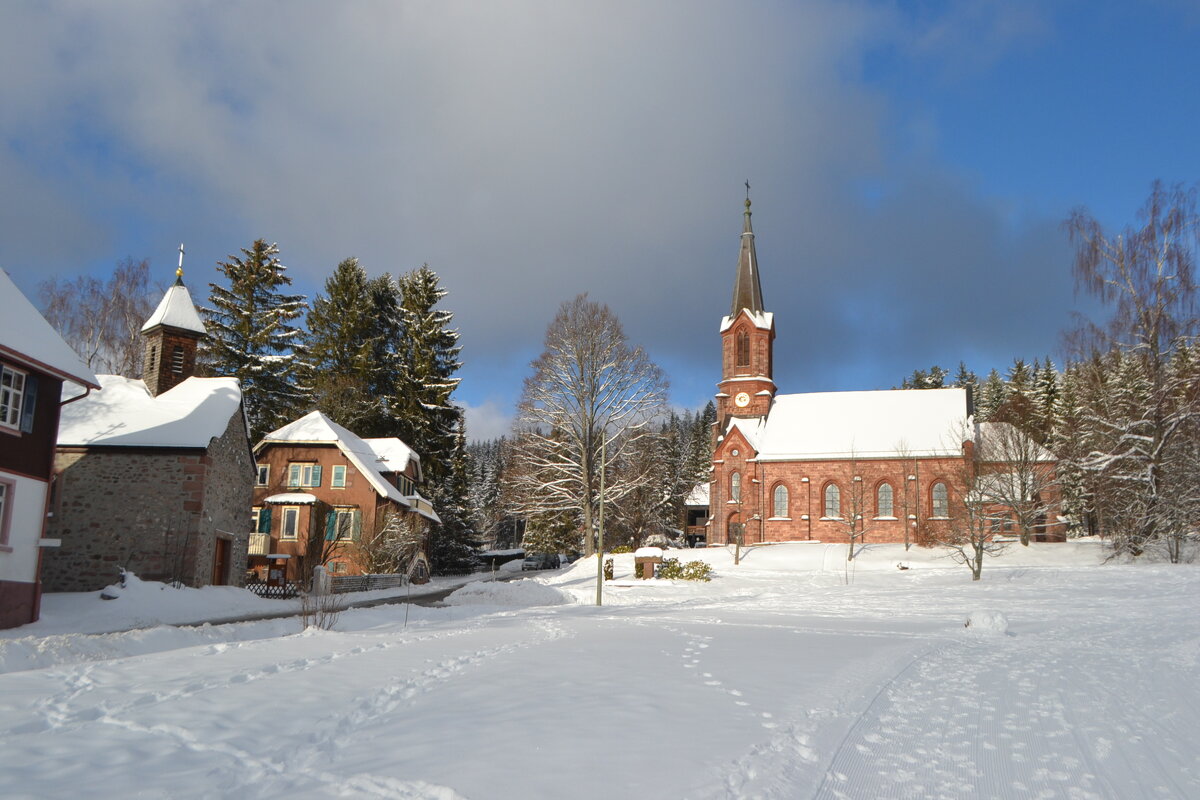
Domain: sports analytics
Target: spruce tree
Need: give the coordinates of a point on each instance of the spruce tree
(251, 337)
(342, 347)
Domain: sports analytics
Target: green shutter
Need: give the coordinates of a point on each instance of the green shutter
(264, 520)
(331, 526)
(293, 475)
(316, 475)
(357, 526)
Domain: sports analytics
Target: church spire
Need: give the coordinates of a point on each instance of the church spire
(747, 291)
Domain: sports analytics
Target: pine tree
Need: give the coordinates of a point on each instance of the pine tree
(452, 546)
(991, 396)
(342, 347)
(250, 336)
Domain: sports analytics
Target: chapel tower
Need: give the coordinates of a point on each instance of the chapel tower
(171, 337)
(747, 340)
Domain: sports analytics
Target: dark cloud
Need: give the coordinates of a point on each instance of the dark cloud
(528, 152)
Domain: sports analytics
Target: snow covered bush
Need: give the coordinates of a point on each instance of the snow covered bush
(992, 622)
(671, 569)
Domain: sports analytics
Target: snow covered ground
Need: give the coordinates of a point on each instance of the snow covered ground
(787, 676)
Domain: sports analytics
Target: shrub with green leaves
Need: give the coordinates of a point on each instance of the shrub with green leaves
(622, 548)
(671, 569)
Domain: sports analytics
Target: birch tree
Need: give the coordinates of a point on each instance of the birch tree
(1018, 475)
(588, 386)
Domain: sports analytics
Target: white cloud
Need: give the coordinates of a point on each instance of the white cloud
(489, 420)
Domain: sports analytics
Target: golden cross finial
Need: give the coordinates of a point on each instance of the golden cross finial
(179, 272)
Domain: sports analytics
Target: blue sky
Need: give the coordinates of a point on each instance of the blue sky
(911, 163)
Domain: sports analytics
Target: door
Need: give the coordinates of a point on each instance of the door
(220, 576)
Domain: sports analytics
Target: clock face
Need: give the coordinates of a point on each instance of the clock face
(742, 400)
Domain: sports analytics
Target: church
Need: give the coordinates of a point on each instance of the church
(883, 466)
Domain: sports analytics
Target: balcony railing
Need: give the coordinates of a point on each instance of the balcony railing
(260, 544)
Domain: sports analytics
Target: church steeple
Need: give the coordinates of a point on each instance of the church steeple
(747, 290)
(747, 339)
(171, 336)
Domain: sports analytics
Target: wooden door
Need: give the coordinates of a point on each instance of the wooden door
(220, 575)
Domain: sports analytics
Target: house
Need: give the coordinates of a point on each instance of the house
(322, 494)
(154, 475)
(35, 364)
(886, 465)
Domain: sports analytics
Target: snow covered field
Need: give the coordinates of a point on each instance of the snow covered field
(775, 680)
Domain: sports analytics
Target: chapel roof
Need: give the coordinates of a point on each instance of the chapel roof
(176, 310)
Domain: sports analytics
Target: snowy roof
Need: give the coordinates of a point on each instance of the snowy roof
(921, 422)
(124, 414)
(698, 496)
(761, 319)
(316, 428)
(424, 508)
(1000, 441)
(176, 310)
(291, 498)
(392, 453)
(27, 337)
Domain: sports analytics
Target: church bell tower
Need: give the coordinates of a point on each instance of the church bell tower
(171, 336)
(747, 340)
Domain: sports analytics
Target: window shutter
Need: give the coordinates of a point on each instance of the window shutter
(316, 475)
(293, 475)
(338, 480)
(29, 403)
(331, 526)
(357, 526)
(264, 520)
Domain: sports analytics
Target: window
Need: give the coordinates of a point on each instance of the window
(304, 475)
(941, 500)
(743, 349)
(338, 481)
(264, 475)
(883, 501)
(781, 501)
(406, 485)
(6, 499)
(833, 501)
(735, 487)
(291, 523)
(345, 524)
(12, 391)
(177, 360)
(337, 567)
(254, 515)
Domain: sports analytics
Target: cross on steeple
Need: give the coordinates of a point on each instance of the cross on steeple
(179, 272)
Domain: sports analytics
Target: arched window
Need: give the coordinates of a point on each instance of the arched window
(941, 500)
(743, 349)
(833, 501)
(781, 501)
(883, 500)
(735, 487)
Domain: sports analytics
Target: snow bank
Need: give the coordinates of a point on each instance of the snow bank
(987, 622)
(512, 594)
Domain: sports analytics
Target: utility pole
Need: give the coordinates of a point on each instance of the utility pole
(600, 536)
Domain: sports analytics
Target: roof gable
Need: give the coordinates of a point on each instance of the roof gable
(176, 310)
(26, 336)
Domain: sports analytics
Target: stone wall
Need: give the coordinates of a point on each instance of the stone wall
(154, 511)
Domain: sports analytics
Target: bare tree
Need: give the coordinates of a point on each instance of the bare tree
(589, 386)
(395, 546)
(1147, 275)
(103, 321)
(1018, 474)
(852, 508)
(974, 513)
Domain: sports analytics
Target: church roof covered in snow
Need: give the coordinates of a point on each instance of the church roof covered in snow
(176, 310)
(27, 337)
(124, 414)
(371, 457)
(877, 424)
(698, 496)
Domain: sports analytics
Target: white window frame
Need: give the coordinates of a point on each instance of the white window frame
(337, 477)
(7, 490)
(344, 534)
(262, 474)
(780, 513)
(735, 487)
(283, 523)
(304, 472)
(836, 496)
(939, 509)
(11, 396)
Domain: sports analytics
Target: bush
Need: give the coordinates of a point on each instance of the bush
(671, 569)
(622, 548)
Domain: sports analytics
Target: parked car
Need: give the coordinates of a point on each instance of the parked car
(540, 561)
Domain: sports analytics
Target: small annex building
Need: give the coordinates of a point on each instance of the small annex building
(154, 475)
(322, 494)
(35, 365)
(792, 467)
